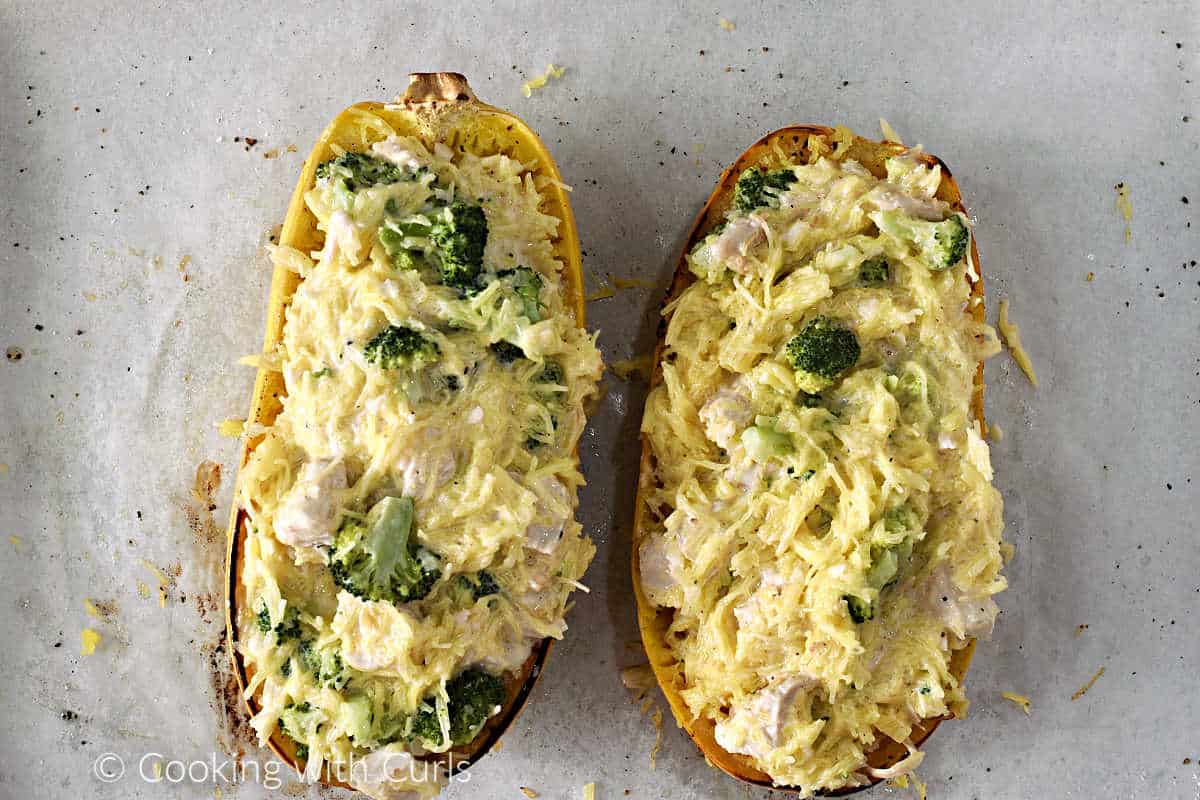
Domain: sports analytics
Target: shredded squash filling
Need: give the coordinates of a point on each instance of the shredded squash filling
(411, 511)
(822, 525)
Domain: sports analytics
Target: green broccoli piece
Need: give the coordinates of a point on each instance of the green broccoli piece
(860, 610)
(473, 697)
(821, 352)
(808, 400)
(459, 234)
(324, 665)
(552, 373)
(287, 629)
(301, 722)
(763, 440)
(506, 352)
(757, 187)
(355, 717)
(482, 584)
(400, 347)
(424, 725)
(889, 561)
(528, 286)
(353, 171)
(874, 270)
(302, 752)
(263, 619)
(376, 560)
(940, 244)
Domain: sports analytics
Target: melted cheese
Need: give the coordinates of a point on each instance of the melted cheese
(755, 551)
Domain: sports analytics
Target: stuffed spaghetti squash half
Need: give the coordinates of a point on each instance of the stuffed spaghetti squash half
(817, 539)
(403, 544)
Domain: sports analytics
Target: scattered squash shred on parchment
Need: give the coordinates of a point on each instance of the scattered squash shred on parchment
(533, 84)
(1012, 338)
(1125, 206)
(1020, 700)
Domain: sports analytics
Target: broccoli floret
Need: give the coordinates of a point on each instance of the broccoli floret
(506, 352)
(764, 441)
(459, 234)
(757, 187)
(376, 560)
(325, 665)
(475, 695)
(301, 721)
(940, 244)
(482, 584)
(552, 373)
(287, 629)
(425, 727)
(400, 347)
(874, 270)
(808, 400)
(263, 619)
(902, 526)
(393, 244)
(822, 351)
(353, 171)
(860, 610)
(528, 287)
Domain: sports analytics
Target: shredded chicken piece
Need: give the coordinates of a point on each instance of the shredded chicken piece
(308, 514)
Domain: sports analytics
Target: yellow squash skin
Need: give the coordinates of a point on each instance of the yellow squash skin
(437, 106)
(794, 143)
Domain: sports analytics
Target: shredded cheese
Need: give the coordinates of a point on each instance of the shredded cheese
(589, 791)
(1012, 338)
(1019, 699)
(726, 25)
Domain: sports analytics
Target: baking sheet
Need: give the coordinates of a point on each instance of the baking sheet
(147, 153)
